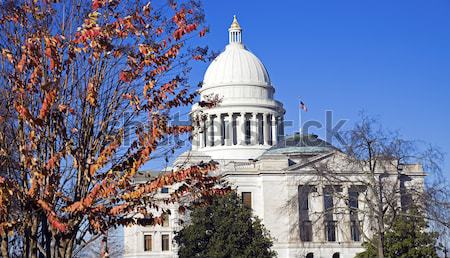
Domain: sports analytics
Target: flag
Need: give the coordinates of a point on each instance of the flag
(303, 106)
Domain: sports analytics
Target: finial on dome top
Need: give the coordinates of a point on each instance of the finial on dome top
(235, 32)
(235, 24)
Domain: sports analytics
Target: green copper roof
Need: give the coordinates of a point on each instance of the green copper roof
(301, 143)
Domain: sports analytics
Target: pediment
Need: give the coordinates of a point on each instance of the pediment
(310, 162)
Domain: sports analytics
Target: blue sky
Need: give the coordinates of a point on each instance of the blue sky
(388, 58)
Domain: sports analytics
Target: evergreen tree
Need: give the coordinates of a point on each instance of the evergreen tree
(224, 228)
(409, 237)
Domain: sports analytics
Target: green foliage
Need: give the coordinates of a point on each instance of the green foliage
(224, 228)
(409, 237)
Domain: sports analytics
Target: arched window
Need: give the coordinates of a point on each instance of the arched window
(310, 255)
(336, 255)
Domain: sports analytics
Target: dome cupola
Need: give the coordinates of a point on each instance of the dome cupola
(236, 65)
(248, 120)
(235, 32)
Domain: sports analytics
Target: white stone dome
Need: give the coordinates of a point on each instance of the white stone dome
(236, 65)
(247, 121)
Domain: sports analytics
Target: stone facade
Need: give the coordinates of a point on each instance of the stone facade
(308, 213)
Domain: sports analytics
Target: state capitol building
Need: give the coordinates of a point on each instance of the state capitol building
(306, 214)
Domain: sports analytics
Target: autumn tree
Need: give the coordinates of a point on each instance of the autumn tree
(87, 91)
(224, 228)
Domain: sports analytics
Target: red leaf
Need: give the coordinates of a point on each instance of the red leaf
(125, 76)
(202, 33)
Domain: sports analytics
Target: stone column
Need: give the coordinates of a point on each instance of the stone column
(211, 131)
(274, 130)
(195, 135)
(227, 120)
(266, 129)
(207, 131)
(254, 129)
(240, 129)
(218, 131)
(319, 226)
(231, 127)
(200, 135)
(344, 226)
(194, 141)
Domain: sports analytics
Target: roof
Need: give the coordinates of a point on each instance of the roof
(301, 143)
(236, 65)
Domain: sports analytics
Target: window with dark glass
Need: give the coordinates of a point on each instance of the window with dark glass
(331, 231)
(310, 255)
(164, 190)
(328, 201)
(306, 231)
(165, 219)
(405, 196)
(304, 202)
(247, 199)
(336, 255)
(354, 230)
(147, 243)
(165, 242)
(353, 200)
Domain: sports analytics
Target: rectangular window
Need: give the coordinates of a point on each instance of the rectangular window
(331, 231)
(354, 230)
(247, 199)
(328, 205)
(303, 197)
(328, 201)
(164, 190)
(165, 242)
(353, 200)
(147, 243)
(165, 220)
(306, 231)
(304, 202)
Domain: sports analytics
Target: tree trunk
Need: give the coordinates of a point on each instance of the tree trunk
(65, 248)
(4, 245)
(381, 245)
(33, 238)
(46, 237)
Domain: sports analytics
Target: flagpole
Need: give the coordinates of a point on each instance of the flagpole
(299, 117)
